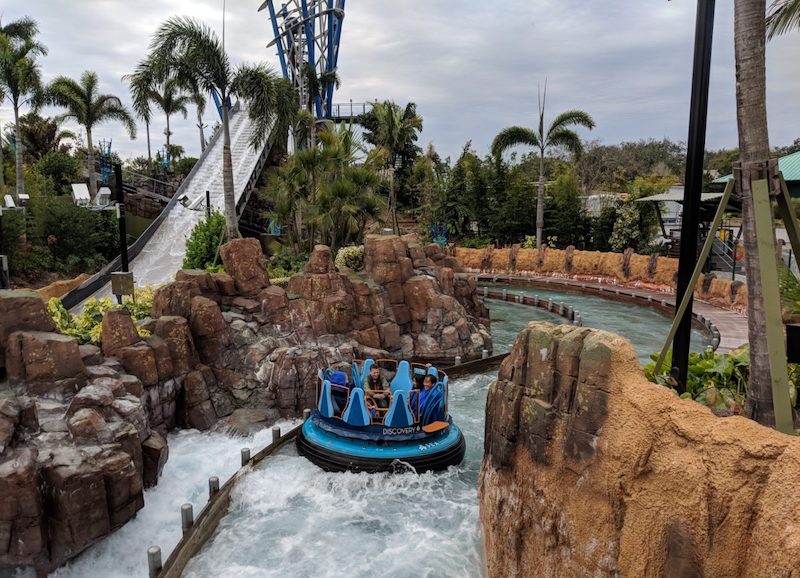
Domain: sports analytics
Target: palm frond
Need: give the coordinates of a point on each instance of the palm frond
(782, 16)
(571, 118)
(567, 139)
(24, 28)
(513, 136)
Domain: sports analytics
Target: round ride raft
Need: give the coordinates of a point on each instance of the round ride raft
(387, 416)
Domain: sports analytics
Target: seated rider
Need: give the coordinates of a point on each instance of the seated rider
(423, 397)
(377, 388)
(419, 376)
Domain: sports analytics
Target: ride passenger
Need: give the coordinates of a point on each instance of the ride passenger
(419, 378)
(377, 388)
(426, 395)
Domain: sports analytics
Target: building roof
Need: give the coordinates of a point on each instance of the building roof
(788, 165)
(677, 196)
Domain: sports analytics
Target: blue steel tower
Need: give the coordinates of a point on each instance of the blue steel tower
(308, 32)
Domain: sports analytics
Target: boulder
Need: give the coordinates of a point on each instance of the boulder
(139, 360)
(206, 317)
(155, 453)
(164, 366)
(320, 261)
(273, 299)
(225, 284)
(23, 527)
(118, 330)
(175, 332)
(246, 422)
(175, 299)
(244, 262)
(202, 279)
(9, 418)
(40, 356)
(87, 424)
(22, 311)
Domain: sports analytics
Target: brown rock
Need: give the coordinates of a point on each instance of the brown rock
(202, 279)
(195, 387)
(206, 318)
(390, 336)
(175, 299)
(163, 358)
(656, 485)
(225, 284)
(369, 337)
(37, 356)
(320, 261)
(23, 527)
(139, 360)
(246, 305)
(9, 418)
(273, 299)
(22, 311)
(175, 331)
(88, 424)
(201, 416)
(155, 453)
(246, 422)
(91, 355)
(244, 262)
(118, 331)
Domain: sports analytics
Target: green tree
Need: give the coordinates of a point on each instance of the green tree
(559, 134)
(395, 130)
(169, 97)
(89, 108)
(783, 16)
(40, 136)
(61, 168)
(21, 83)
(187, 49)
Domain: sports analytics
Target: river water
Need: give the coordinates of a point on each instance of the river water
(289, 518)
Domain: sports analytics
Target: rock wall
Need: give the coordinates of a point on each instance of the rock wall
(626, 268)
(590, 470)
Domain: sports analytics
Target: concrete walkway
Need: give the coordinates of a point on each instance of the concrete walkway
(732, 326)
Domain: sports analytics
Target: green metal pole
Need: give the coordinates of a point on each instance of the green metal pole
(786, 212)
(773, 326)
(682, 306)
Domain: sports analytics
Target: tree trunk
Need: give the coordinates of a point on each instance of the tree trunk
(19, 151)
(231, 222)
(393, 203)
(149, 153)
(90, 163)
(169, 153)
(540, 243)
(202, 132)
(751, 109)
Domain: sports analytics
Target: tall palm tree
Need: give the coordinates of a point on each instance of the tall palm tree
(559, 134)
(88, 108)
(24, 28)
(141, 86)
(393, 129)
(21, 81)
(751, 113)
(784, 15)
(185, 48)
(170, 99)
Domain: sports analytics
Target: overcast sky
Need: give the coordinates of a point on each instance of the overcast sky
(472, 66)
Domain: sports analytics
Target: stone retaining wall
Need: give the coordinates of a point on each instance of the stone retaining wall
(627, 268)
(590, 470)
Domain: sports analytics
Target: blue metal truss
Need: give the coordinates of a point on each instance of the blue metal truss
(308, 32)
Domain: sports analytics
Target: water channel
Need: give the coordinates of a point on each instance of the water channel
(290, 518)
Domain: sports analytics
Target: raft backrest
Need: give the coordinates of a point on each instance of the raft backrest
(360, 376)
(356, 413)
(402, 379)
(433, 409)
(434, 372)
(399, 414)
(325, 404)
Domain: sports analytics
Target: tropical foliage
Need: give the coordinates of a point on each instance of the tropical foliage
(202, 246)
(350, 258)
(87, 326)
(326, 194)
(783, 16)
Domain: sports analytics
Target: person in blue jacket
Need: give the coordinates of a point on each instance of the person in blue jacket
(426, 403)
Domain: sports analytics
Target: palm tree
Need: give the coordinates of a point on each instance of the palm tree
(40, 135)
(783, 16)
(24, 28)
(141, 87)
(559, 134)
(21, 81)
(188, 49)
(88, 108)
(170, 99)
(394, 130)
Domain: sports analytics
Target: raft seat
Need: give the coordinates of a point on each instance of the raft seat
(402, 379)
(399, 414)
(326, 405)
(356, 413)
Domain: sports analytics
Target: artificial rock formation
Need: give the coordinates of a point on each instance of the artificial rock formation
(590, 470)
(626, 268)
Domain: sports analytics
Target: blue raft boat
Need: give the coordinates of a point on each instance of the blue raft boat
(348, 431)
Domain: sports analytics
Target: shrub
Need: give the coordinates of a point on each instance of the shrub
(529, 242)
(204, 242)
(627, 232)
(350, 258)
(285, 265)
(282, 282)
(61, 168)
(86, 326)
(475, 242)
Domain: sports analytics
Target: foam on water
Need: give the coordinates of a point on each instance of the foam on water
(289, 518)
(193, 458)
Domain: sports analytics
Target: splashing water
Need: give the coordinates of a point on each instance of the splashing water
(290, 518)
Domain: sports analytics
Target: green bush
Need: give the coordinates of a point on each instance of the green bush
(350, 258)
(529, 242)
(285, 265)
(61, 168)
(12, 233)
(282, 282)
(717, 380)
(475, 242)
(86, 326)
(204, 242)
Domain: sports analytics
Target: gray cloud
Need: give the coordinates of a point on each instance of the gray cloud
(472, 66)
